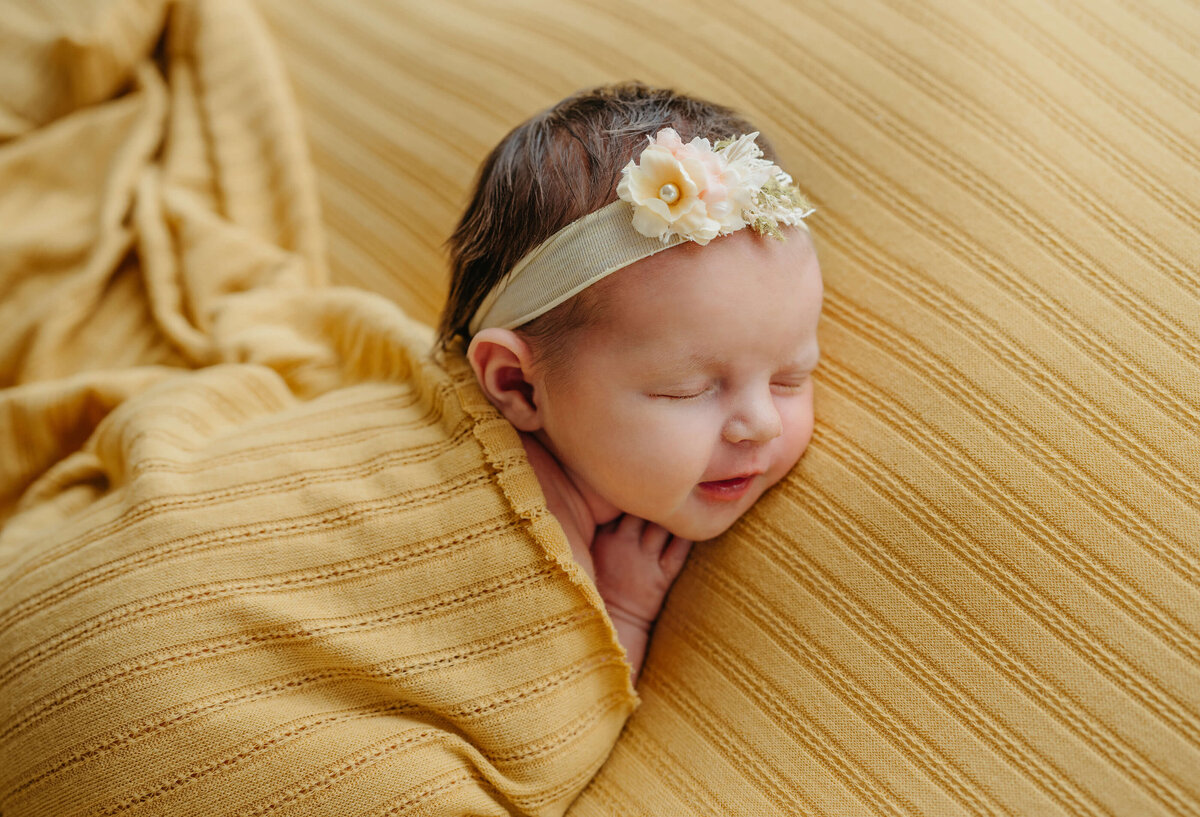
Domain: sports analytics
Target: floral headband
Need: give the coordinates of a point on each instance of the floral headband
(673, 192)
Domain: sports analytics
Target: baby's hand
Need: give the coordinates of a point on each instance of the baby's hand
(636, 563)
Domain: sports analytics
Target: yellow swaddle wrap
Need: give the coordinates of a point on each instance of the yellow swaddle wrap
(271, 606)
(261, 553)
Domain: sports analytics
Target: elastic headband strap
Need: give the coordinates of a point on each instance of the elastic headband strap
(566, 263)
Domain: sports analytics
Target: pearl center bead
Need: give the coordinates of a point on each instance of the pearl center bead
(669, 193)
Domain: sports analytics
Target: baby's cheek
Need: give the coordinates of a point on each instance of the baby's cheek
(798, 430)
(665, 464)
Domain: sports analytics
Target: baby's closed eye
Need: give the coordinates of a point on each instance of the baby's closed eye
(682, 394)
(790, 385)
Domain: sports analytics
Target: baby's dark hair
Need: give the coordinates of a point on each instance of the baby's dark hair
(556, 167)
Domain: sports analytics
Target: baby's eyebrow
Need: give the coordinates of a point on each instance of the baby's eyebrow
(805, 360)
(674, 360)
(701, 360)
(803, 364)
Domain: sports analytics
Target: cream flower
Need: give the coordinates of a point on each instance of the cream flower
(699, 191)
(666, 186)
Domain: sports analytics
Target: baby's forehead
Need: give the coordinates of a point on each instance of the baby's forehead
(725, 275)
(686, 322)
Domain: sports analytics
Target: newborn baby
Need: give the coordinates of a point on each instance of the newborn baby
(654, 355)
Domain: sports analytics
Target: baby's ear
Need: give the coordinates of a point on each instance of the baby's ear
(503, 365)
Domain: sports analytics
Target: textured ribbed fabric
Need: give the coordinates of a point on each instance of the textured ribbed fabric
(261, 554)
(979, 593)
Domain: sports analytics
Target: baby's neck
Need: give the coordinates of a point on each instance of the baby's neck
(578, 516)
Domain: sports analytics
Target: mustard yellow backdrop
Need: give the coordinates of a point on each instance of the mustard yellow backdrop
(979, 593)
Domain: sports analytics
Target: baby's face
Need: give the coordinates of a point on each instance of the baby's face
(693, 394)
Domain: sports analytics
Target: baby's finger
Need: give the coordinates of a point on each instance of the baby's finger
(675, 555)
(654, 538)
(631, 526)
(609, 527)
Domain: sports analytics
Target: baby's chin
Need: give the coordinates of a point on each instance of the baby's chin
(699, 531)
(699, 527)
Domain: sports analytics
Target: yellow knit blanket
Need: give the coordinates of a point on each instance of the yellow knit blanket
(260, 553)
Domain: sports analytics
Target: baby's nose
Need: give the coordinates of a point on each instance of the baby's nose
(756, 420)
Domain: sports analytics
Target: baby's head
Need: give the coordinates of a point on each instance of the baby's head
(620, 311)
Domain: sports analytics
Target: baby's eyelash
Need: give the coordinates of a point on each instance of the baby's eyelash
(691, 396)
(791, 386)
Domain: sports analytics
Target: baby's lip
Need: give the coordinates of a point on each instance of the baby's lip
(730, 489)
(733, 478)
